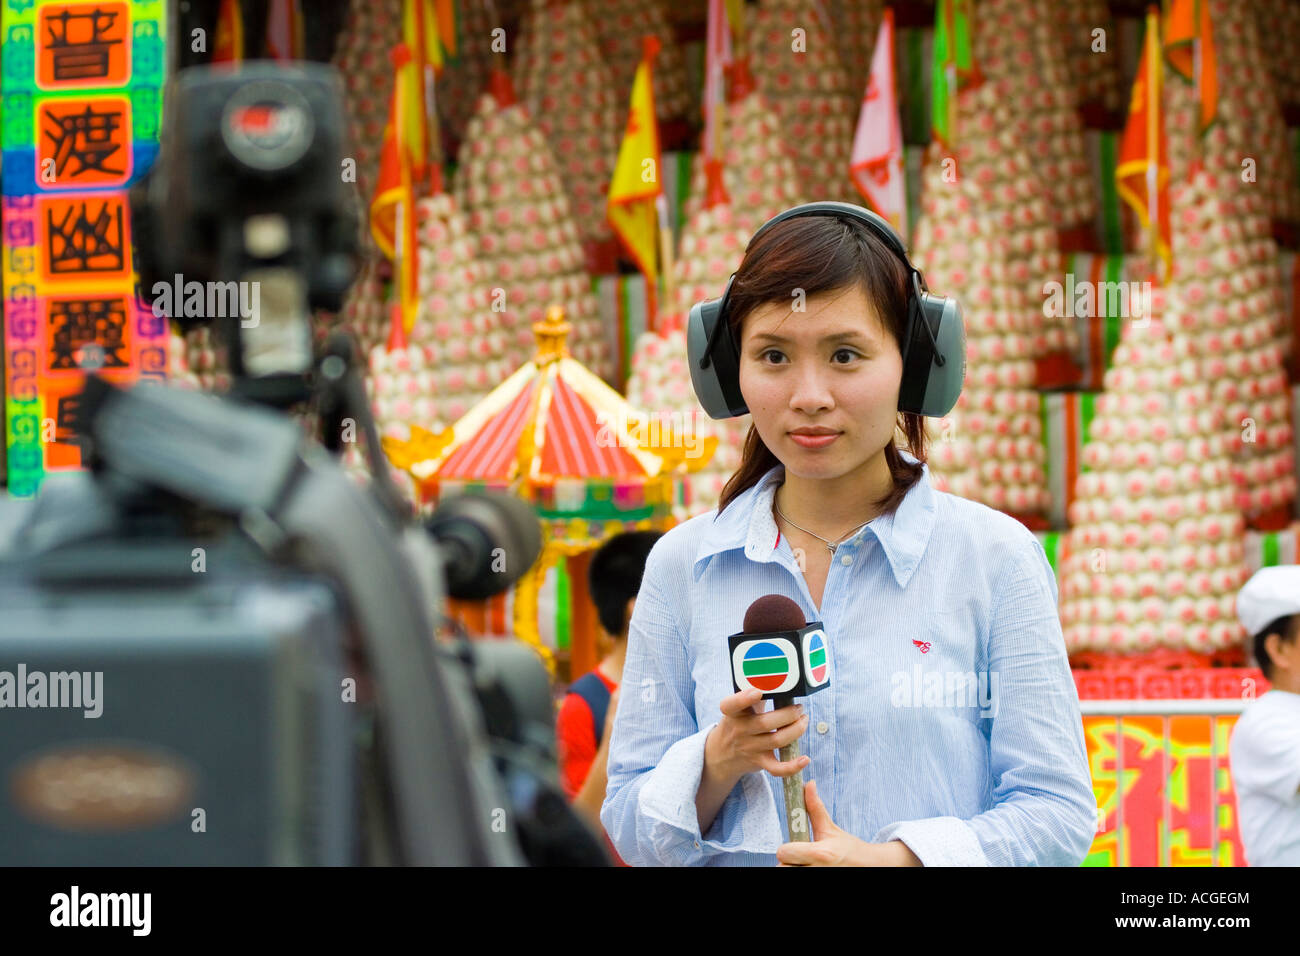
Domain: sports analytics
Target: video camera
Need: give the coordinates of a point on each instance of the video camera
(222, 646)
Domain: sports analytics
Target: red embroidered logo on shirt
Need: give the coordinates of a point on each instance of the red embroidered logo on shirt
(923, 645)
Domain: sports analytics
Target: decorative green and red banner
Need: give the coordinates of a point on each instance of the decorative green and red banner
(1164, 792)
(82, 104)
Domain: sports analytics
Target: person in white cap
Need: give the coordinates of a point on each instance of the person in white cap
(1264, 751)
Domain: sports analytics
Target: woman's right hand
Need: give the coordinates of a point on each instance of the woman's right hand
(744, 739)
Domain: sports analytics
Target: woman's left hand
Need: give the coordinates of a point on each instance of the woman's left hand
(831, 846)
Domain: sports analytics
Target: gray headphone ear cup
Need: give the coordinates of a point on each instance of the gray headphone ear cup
(717, 385)
(942, 383)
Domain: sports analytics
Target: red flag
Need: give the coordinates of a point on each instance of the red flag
(876, 165)
(284, 30)
(228, 47)
(1189, 47)
(1142, 175)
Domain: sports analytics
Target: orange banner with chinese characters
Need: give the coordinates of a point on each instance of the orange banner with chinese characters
(81, 124)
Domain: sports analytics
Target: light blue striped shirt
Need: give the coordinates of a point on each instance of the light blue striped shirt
(951, 721)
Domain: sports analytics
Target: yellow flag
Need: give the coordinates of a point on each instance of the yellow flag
(420, 32)
(736, 16)
(636, 181)
(394, 232)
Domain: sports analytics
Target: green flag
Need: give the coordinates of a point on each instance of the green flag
(953, 67)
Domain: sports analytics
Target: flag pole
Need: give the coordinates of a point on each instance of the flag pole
(950, 75)
(1153, 141)
(433, 127)
(1196, 62)
(399, 255)
(1196, 66)
(665, 257)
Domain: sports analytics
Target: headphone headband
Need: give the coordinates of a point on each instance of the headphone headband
(873, 221)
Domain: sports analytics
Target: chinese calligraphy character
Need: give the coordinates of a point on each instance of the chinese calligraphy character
(87, 334)
(88, 138)
(65, 423)
(80, 50)
(76, 241)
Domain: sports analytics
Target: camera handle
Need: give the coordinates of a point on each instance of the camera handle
(340, 395)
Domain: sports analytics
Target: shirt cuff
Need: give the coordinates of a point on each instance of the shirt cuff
(668, 798)
(938, 841)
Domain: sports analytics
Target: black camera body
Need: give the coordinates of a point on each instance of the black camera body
(261, 143)
(207, 721)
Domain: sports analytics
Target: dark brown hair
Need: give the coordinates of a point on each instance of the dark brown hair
(823, 254)
(1286, 628)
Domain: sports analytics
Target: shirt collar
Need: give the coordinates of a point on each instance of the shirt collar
(748, 523)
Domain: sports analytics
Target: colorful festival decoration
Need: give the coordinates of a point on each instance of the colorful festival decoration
(621, 26)
(556, 435)
(756, 160)
(509, 188)
(1164, 792)
(711, 249)
(1092, 65)
(797, 65)
(1225, 298)
(82, 103)
(989, 447)
(1154, 556)
(953, 67)
(363, 57)
(453, 356)
(1249, 122)
(568, 89)
(857, 29)
(1023, 58)
(991, 163)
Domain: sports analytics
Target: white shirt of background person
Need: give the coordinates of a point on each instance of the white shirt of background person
(1264, 751)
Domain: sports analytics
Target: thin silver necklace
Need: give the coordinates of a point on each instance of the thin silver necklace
(830, 545)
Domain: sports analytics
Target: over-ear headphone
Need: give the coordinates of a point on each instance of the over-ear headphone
(933, 345)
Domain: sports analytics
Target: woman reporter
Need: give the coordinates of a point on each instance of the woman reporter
(950, 733)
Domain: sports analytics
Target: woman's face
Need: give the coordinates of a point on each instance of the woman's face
(832, 367)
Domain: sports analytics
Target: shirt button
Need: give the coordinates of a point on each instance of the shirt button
(697, 844)
(846, 560)
(822, 727)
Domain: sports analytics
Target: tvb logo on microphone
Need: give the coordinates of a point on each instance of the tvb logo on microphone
(781, 663)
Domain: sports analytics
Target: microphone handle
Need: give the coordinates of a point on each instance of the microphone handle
(796, 814)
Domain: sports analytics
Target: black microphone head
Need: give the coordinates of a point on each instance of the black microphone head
(771, 613)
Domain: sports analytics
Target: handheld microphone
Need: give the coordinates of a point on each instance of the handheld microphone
(781, 655)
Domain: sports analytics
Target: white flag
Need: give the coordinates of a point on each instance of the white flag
(877, 161)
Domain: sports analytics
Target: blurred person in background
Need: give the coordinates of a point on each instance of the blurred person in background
(587, 713)
(1264, 752)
